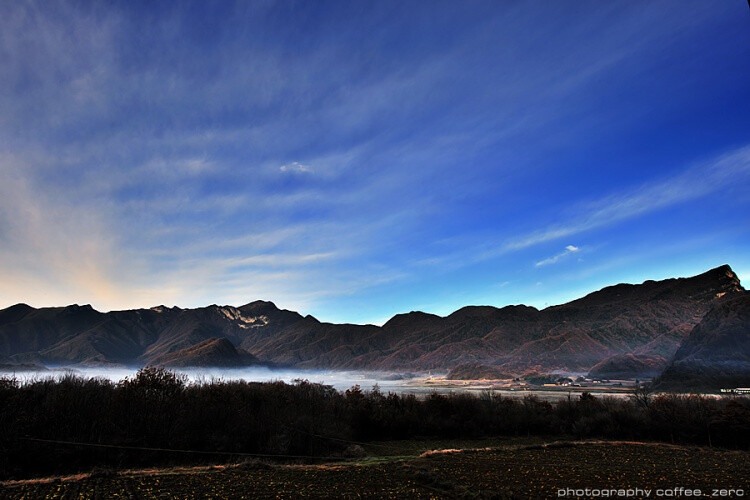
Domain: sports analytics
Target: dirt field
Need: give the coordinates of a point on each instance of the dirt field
(394, 470)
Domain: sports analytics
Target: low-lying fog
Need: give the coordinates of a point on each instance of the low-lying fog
(396, 382)
(341, 380)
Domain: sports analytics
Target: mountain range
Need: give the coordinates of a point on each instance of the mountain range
(622, 329)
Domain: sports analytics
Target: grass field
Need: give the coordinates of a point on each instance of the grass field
(482, 469)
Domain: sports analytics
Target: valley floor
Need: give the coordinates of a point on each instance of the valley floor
(480, 469)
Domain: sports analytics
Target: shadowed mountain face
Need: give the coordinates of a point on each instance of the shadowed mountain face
(160, 335)
(473, 371)
(627, 366)
(212, 352)
(650, 319)
(717, 352)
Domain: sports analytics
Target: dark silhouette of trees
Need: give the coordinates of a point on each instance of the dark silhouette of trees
(40, 421)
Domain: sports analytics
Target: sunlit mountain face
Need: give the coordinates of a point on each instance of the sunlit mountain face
(355, 161)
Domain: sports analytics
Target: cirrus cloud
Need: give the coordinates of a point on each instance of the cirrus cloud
(556, 258)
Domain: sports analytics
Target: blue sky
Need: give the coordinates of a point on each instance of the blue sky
(353, 160)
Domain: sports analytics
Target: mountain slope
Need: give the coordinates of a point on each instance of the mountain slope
(211, 352)
(717, 352)
(628, 366)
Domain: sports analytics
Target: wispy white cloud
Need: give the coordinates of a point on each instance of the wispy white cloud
(696, 181)
(693, 182)
(166, 174)
(53, 248)
(59, 249)
(277, 260)
(295, 166)
(556, 258)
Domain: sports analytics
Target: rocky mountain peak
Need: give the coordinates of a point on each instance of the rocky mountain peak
(259, 307)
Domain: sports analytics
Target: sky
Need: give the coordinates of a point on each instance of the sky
(354, 160)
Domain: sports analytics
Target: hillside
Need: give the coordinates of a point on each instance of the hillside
(627, 366)
(647, 320)
(717, 352)
(218, 352)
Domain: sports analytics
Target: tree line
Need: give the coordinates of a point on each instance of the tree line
(135, 422)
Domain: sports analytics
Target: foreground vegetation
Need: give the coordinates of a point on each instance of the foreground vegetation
(73, 424)
(535, 471)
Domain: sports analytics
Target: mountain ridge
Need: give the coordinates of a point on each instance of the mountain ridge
(648, 319)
